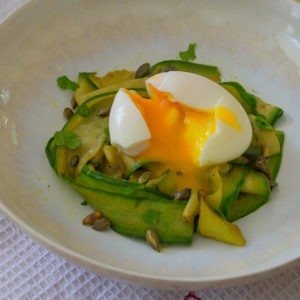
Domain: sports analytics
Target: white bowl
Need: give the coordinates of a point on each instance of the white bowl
(254, 42)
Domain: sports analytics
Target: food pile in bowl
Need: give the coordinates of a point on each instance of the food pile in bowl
(167, 151)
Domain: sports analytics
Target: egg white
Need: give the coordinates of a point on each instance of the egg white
(127, 128)
(202, 93)
(129, 131)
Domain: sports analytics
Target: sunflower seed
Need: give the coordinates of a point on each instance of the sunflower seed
(262, 165)
(144, 177)
(142, 70)
(104, 112)
(153, 240)
(182, 194)
(90, 219)
(101, 224)
(68, 113)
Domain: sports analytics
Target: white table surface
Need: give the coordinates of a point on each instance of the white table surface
(30, 271)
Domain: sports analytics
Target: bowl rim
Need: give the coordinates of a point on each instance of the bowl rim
(120, 273)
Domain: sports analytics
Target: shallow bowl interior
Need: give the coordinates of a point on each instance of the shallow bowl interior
(256, 43)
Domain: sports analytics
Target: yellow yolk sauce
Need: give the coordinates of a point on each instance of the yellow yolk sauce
(178, 135)
(228, 117)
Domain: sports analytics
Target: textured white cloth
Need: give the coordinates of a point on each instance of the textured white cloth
(30, 271)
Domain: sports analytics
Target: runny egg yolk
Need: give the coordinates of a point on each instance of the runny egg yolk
(227, 116)
(178, 132)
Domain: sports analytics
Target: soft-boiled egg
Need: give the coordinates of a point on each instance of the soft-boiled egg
(188, 121)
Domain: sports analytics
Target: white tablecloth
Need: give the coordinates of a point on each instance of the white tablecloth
(30, 271)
